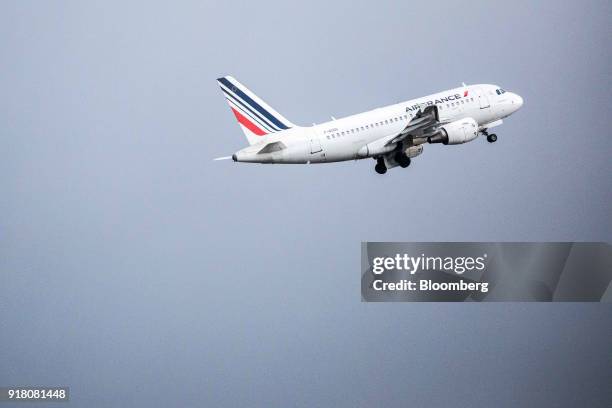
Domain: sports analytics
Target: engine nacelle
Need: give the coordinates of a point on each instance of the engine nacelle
(457, 132)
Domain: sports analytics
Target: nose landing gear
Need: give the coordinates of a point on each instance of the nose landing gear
(491, 138)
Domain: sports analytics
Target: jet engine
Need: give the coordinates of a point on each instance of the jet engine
(457, 132)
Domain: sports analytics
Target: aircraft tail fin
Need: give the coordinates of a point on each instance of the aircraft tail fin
(256, 118)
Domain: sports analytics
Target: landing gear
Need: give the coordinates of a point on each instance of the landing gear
(491, 138)
(402, 160)
(380, 167)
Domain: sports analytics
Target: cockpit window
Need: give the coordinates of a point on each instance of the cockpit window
(500, 91)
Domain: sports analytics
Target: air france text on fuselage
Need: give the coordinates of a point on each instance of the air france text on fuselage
(419, 105)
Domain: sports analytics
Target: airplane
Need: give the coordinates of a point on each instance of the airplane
(392, 135)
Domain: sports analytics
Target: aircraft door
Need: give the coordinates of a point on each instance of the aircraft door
(315, 146)
(483, 99)
(317, 155)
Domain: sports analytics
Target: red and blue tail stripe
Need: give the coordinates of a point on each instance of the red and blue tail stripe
(238, 106)
(233, 90)
(248, 124)
(255, 116)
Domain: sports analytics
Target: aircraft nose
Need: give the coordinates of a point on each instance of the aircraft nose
(518, 101)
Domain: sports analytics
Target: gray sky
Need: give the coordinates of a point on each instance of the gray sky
(138, 272)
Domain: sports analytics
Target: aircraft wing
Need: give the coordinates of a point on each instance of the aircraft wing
(424, 121)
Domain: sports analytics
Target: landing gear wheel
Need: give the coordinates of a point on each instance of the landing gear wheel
(492, 138)
(380, 167)
(402, 160)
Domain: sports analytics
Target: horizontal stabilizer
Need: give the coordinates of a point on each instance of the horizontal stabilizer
(272, 147)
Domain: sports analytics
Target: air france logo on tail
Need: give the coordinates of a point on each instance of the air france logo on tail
(248, 124)
(256, 117)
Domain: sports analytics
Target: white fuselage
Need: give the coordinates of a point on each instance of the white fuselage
(342, 139)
